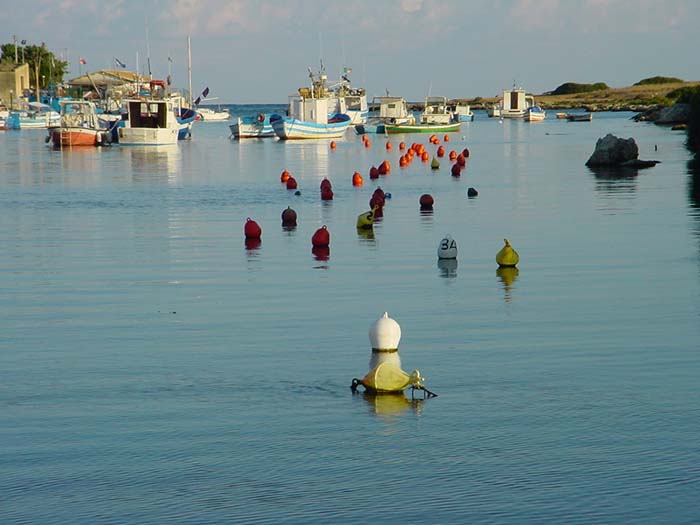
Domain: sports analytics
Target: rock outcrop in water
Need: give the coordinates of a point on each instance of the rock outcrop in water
(611, 151)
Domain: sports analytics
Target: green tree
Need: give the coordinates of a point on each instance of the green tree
(43, 64)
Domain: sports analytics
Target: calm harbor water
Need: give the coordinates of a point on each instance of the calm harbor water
(154, 370)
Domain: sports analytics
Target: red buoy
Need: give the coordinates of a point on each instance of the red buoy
(289, 217)
(441, 151)
(446, 138)
(252, 229)
(321, 238)
(465, 152)
(456, 170)
(373, 173)
(333, 144)
(291, 183)
(453, 155)
(326, 194)
(325, 183)
(357, 179)
(426, 202)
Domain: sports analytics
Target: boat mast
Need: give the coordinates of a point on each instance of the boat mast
(189, 68)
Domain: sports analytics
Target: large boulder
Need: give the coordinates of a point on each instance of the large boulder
(676, 114)
(613, 151)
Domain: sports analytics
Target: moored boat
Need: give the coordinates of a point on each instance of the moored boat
(256, 126)
(579, 117)
(534, 114)
(213, 115)
(513, 104)
(149, 122)
(463, 113)
(392, 111)
(38, 116)
(292, 128)
(435, 118)
(79, 126)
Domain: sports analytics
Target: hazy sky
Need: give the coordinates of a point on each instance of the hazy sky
(249, 51)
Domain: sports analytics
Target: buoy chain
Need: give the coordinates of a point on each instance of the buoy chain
(427, 394)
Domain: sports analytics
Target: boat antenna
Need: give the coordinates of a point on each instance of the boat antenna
(148, 50)
(189, 67)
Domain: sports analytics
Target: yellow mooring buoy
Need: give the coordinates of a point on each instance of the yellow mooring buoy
(507, 256)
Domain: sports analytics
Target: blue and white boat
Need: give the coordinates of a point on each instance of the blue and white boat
(254, 127)
(463, 113)
(534, 114)
(39, 116)
(308, 114)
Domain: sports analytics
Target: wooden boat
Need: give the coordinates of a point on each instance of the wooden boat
(257, 126)
(79, 126)
(579, 117)
(309, 113)
(513, 104)
(435, 118)
(392, 111)
(463, 113)
(534, 114)
(150, 122)
(38, 116)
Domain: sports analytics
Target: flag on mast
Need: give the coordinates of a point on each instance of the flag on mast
(119, 62)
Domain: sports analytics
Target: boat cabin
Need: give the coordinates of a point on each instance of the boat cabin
(149, 114)
(436, 111)
(515, 102)
(309, 109)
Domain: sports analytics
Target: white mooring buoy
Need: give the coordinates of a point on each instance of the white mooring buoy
(447, 249)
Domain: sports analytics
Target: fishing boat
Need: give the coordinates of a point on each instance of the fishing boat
(308, 113)
(392, 111)
(349, 101)
(79, 126)
(149, 121)
(435, 118)
(463, 112)
(534, 114)
(38, 116)
(579, 117)
(213, 115)
(254, 126)
(514, 103)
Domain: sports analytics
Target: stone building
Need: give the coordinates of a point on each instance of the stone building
(14, 83)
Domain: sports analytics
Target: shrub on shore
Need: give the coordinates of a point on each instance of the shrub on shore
(569, 88)
(659, 80)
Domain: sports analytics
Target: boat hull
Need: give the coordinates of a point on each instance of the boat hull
(66, 137)
(254, 127)
(148, 136)
(422, 128)
(294, 129)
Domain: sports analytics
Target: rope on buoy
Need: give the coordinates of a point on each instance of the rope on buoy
(427, 394)
(355, 383)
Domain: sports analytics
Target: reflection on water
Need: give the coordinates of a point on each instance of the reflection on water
(448, 268)
(312, 154)
(694, 183)
(507, 275)
(615, 186)
(391, 405)
(147, 161)
(322, 254)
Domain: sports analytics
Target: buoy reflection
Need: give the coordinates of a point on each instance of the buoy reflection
(387, 405)
(321, 253)
(448, 268)
(508, 275)
(252, 244)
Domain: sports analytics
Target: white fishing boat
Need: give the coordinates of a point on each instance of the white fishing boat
(308, 114)
(463, 112)
(534, 114)
(149, 122)
(513, 104)
(348, 100)
(254, 126)
(392, 111)
(213, 115)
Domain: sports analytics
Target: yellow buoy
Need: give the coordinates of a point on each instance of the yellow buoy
(365, 220)
(388, 377)
(507, 256)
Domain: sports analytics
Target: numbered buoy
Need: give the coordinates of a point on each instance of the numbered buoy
(252, 229)
(289, 217)
(365, 220)
(426, 201)
(322, 238)
(471, 192)
(291, 183)
(507, 256)
(447, 249)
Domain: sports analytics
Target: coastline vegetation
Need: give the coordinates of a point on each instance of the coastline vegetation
(569, 88)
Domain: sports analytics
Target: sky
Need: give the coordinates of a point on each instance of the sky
(259, 51)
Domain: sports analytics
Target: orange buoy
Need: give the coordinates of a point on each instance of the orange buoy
(446, 138)
(333, 144)
(385, 168)
(373, 173)
(402, 146)
(453, 155)
(388, 146)
(322, 238)
(424, 156)
(456, 170)
(291, 183)
(426, 201)
(285, 176)
(357, 179)
(461, 160)
(368, 143)
(441, 151)
(252, 229)
(289, 217)
(403, 162)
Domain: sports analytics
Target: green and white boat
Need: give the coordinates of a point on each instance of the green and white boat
(435, 118)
